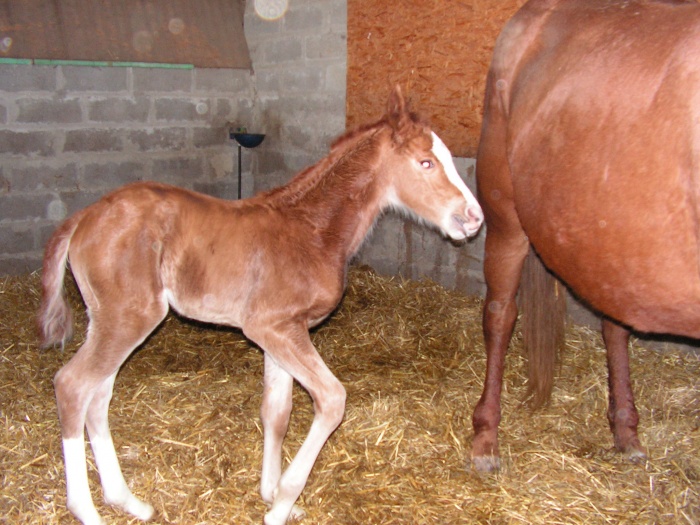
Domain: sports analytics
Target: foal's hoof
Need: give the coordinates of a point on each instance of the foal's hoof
(297, 514)
(137, 508)
(272, 518)
(486, 464)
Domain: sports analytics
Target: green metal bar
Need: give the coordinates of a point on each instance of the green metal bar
(91, 63)
(22, 61)
(153, 64)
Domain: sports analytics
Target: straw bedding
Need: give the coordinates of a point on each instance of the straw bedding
(185, 422)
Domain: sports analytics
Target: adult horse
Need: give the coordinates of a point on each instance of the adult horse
(274, 265)
(589, 154)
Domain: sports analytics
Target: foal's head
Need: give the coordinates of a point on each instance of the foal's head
(424, 179)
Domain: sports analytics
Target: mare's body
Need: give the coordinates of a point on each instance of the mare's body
(589, 153)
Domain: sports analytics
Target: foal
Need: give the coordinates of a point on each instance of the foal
(273, 265)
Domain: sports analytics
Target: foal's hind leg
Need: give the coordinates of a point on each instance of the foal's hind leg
(622, 414)
(86, 379)
(114, 487)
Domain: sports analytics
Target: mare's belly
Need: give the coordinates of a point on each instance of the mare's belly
(644, 277)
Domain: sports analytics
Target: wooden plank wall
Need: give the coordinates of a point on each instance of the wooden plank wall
(437, 50)
(206, 33)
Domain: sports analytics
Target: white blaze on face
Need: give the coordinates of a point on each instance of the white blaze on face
(445, 157)
(472, 213)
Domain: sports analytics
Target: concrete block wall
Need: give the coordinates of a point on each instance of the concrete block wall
(71, 134)
(299, 68)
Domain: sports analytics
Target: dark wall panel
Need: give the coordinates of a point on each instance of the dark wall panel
(205, 33)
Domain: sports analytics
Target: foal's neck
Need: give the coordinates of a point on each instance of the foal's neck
(341, 196)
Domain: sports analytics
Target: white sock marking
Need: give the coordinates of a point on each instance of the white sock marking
(77, 489)
(116, 491)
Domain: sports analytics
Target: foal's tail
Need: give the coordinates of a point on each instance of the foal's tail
(543, 304)
(55, 319)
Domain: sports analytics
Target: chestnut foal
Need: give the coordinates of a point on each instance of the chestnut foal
(274, 265)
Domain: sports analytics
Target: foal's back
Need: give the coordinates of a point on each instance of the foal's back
(151, 239)
(210, 259)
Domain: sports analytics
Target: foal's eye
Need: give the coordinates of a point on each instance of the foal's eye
(427, 164)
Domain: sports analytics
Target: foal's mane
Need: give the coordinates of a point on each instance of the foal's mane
(404, 125)
(311, 176)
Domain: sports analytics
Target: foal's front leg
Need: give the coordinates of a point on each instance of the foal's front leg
(275, 412)
(289, 347)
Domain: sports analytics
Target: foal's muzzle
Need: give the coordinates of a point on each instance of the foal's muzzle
(469, 223)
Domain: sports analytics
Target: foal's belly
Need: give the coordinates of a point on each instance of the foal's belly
(208, 308)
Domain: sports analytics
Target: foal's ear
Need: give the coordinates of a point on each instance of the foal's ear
(397, 104)
(397, 113)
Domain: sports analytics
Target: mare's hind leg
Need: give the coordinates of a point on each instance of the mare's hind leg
(290, 347)
(86, 379)
(502, 269)
(505, 251)
(622, 414)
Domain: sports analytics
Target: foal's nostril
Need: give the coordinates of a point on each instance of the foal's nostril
(475, 215)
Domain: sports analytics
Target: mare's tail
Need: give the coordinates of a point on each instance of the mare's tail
(55, 319)
(543, 305)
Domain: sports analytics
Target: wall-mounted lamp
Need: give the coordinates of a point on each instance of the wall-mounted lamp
(246, 140)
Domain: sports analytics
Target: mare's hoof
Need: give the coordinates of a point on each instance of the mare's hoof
(636, 455)
(486, 464)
